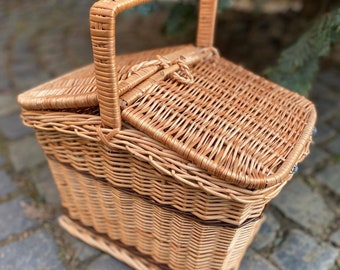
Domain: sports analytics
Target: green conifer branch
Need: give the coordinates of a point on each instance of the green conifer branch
(298, 64)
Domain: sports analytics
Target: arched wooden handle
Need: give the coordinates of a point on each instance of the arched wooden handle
(102, 26)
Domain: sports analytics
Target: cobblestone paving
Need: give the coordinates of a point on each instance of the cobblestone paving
(37, 43)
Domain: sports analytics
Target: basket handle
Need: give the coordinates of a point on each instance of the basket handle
(102, 27)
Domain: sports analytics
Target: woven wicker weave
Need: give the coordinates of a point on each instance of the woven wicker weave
(169, 237)
(173, 152)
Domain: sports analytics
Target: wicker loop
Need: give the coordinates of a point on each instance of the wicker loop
(183, 75)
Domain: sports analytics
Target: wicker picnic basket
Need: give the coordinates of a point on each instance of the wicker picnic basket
(166, 158)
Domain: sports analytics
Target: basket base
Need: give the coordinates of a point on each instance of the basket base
(102, 243)
(128, 255)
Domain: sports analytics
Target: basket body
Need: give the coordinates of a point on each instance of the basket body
(124, 170)
(170, 238)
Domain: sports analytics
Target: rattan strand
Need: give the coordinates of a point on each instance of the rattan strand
(168, 237)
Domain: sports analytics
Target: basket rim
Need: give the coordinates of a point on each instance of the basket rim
(87, 126)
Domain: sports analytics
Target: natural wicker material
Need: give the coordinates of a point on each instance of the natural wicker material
(180, 241)
(153, 147)
(116, 249)
(126, 163)
(77, 89)
(101, 242)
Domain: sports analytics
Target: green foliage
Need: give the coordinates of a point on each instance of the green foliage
(145, 9)
(181, 19)
(298, 64)
(183, 16)
(224, 4)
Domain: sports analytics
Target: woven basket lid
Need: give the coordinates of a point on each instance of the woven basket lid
(234, 124)
(77, 89)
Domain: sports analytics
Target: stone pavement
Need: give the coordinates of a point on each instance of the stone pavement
(37, 43)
